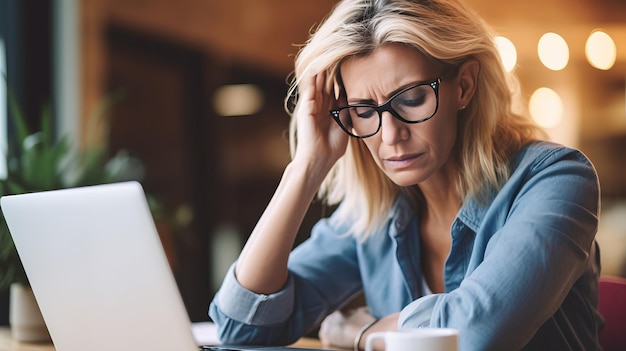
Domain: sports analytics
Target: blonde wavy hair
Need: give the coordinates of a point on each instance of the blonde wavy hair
(446, 30)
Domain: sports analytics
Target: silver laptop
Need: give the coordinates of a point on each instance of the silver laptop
(98, 270)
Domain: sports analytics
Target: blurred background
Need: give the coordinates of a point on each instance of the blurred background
(201, 85)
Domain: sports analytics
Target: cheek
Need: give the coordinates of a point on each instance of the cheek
(370, 146)
(440, 131)
(445, 122)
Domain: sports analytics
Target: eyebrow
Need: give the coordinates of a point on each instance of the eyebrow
(388, 96)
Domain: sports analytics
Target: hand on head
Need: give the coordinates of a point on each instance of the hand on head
(319, 139)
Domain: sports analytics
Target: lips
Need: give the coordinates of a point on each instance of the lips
(402, 160)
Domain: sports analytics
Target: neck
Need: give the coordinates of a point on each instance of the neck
(441, 198)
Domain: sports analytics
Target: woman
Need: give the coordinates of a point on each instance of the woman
(451, 211)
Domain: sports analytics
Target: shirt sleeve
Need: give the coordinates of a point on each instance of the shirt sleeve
(532, 259)
(251, 308)
(323, 275)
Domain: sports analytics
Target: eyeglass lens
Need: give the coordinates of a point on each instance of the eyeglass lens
(412, 105)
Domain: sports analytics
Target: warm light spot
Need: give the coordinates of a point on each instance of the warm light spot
(507, 51)
(600, 50)
(546, 107)
(553, 51)
(238, 100)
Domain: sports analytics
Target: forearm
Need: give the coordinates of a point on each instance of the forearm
(262, 265)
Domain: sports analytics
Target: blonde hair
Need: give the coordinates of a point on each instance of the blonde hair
(449, 32)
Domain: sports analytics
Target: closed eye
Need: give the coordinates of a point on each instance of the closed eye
(364, 112)
(411, 101)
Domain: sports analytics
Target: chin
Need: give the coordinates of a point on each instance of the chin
(408, 177)
(404, 181)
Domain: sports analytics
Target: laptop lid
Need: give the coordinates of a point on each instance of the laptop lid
(98, 270)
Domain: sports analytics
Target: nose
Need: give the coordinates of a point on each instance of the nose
(392, 130)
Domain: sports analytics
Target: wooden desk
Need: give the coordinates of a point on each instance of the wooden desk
(8, 344)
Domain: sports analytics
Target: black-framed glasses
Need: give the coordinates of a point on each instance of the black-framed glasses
(414, 104)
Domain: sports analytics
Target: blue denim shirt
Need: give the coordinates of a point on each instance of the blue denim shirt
(521, 274)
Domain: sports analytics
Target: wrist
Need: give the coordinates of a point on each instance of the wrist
(311, 171)
(359, 335)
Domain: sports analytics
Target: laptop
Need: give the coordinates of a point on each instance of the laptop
(98, 270)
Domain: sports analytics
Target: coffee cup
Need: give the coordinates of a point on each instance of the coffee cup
(416, 339)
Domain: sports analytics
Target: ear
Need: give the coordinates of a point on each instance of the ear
(467, 79)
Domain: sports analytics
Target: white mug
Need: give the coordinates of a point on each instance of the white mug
(417, 339)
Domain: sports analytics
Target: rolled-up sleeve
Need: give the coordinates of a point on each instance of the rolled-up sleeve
(251, 308)
(323, 274)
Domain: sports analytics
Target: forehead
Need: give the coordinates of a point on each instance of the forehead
(387, 68)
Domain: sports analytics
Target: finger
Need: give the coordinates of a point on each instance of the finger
(307, 86)
(322, 96)
(320, 88)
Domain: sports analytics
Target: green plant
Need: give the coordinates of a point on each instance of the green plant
(38, 161)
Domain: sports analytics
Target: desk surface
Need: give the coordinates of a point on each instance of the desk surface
(8, 344)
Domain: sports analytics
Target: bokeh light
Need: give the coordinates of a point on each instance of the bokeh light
(546, 107)
(553, 51)
(507, 51)
(600, 50)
